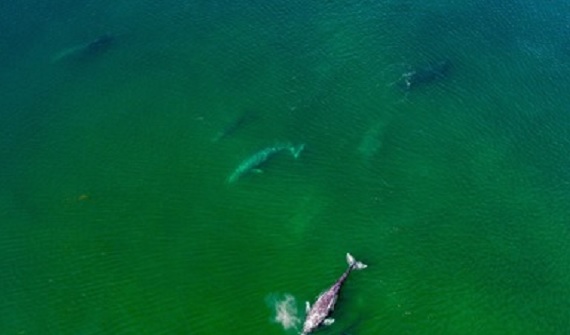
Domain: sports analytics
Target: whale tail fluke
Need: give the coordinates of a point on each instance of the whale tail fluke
(296, 151)
(353, 263)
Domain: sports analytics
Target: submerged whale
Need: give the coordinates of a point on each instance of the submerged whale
(87, 50)
(254, 161)
(234, 126)
(322, 308)
(424, 75)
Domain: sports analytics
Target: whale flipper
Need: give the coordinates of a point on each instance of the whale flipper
(328, 321)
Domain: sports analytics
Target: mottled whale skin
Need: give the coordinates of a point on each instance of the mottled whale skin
(254, 161)
(322, 308)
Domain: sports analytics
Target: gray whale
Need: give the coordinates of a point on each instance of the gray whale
(322, 308)
(254, 161)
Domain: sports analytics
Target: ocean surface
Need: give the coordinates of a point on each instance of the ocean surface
(436, 150)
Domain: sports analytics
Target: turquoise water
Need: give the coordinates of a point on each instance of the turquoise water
(116, 216)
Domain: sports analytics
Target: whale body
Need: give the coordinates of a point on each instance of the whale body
(319, 314)
(257, 159)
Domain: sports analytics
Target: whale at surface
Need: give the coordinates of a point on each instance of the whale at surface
(319, 313)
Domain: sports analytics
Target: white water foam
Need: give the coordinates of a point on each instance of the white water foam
(284, 310)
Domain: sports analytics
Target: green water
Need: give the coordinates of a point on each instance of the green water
(115, 213)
